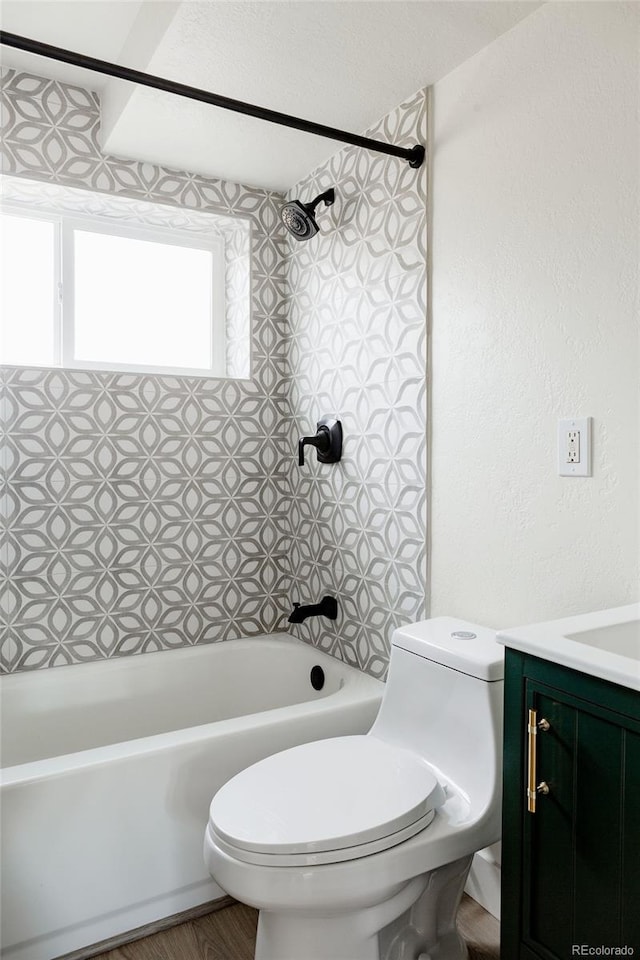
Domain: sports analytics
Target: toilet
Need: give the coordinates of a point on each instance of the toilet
(358, 847)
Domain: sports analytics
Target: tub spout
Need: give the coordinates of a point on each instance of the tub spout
(328, 607)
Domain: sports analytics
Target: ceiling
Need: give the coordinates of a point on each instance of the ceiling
(345, 63)
(98, 28)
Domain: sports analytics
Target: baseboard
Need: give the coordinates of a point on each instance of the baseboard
(147, 929)
(483, 882)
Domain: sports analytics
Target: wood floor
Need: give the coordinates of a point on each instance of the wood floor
(230, 934)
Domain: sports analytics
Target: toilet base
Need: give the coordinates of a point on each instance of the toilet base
(418, 922)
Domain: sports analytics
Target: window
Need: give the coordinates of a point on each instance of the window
(93, 294)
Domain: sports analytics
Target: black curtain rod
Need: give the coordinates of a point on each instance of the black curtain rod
(413, 155)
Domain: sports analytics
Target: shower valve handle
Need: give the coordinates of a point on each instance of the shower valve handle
(327, 441)
(321, 442)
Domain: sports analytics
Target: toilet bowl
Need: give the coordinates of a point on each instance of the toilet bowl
(358, 848)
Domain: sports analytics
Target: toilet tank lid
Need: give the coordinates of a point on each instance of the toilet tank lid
(447, 640)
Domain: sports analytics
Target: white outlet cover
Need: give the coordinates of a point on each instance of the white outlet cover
(583, 466)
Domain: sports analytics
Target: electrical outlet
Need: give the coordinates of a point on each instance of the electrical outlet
(574, 447)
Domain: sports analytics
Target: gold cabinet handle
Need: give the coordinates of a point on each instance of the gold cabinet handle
(534, 788)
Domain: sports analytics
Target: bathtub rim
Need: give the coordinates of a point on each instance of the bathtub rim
(366, 687)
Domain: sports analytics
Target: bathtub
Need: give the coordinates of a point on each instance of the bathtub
(109, 768)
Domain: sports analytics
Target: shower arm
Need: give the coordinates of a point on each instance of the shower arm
(413, 155)
(328, 197)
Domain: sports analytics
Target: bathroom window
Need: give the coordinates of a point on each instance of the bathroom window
(90, 293)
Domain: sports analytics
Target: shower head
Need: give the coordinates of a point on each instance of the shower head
(299, 218)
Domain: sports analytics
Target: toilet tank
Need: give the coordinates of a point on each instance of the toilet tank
(443, 701)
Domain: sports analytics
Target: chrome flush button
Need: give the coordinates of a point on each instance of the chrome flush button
(464, 635)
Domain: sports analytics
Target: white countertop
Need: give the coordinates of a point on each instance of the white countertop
(605, 644)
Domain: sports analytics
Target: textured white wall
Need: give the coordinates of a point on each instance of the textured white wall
(534, 298)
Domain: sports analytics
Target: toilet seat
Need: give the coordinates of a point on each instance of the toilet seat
(326, 856)
(325, 802)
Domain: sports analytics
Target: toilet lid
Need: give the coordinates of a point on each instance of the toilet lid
(325, 796)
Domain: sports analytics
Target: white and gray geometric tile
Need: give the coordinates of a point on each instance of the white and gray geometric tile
(148, 512)
(358, 318)
(134, 515)
(139, 512)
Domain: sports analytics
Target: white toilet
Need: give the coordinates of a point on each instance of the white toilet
(358, 848)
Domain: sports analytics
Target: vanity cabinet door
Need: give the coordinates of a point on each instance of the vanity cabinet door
(571, 869)
(549, 832)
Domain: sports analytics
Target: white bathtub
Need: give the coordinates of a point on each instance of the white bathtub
(109, 769)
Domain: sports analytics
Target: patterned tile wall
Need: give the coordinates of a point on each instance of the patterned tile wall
(358, 329)
(137, 512)
(142, 513)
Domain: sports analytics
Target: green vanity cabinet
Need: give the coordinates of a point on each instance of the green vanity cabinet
(571, 869)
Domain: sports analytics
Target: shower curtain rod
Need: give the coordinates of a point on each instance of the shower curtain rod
(413, 155)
